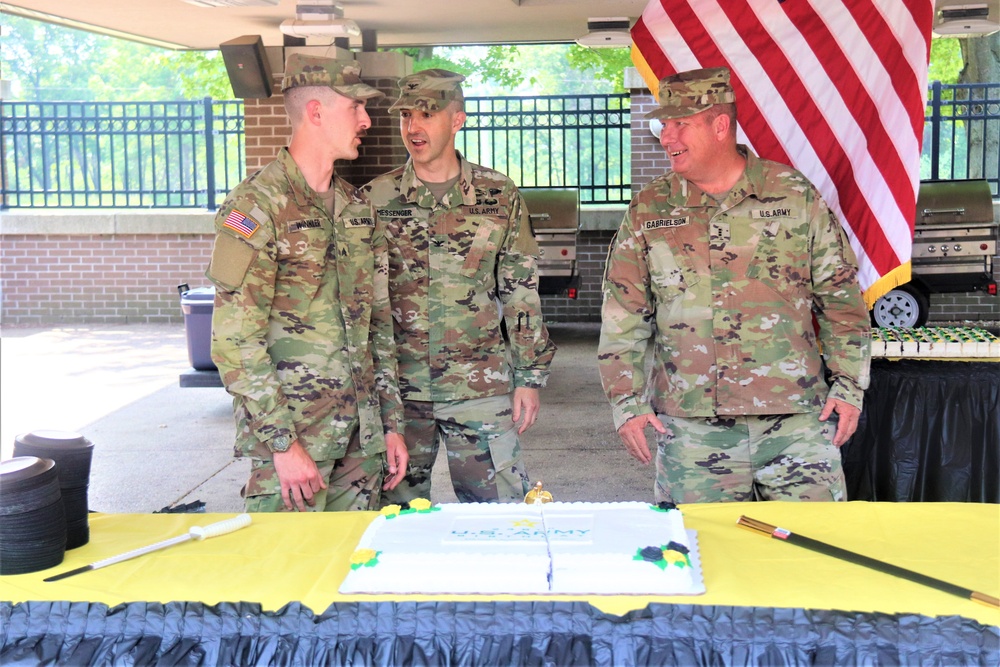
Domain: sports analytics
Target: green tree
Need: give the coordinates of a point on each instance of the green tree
(606, 64)
(946, 60)
(533, 69)
(55, 63)
(981, 57)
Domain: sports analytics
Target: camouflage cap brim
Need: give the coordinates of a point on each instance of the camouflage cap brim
(359, 91)
(421, 102)
(677, 112)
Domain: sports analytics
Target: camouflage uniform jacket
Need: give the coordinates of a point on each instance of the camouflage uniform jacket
(301, 330)
(449, 263)
(728, 293)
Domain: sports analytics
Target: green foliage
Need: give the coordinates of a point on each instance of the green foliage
(606, 64)
(54, 63)
(534, 69)
(497, 63)
(946, 60)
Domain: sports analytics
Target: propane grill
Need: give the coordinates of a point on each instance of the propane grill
(955, 236)
(555, 219)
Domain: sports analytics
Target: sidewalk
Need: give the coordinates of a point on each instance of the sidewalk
(156, 444)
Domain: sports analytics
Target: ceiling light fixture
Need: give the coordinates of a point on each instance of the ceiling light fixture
(966, 20)
(607, 32)
(320, 18)
(232, 3)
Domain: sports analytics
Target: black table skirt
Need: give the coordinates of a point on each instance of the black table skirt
(480, 633)
(929, 431)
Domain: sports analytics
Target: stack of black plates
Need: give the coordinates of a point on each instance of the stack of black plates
(32, 517)
(72, 453)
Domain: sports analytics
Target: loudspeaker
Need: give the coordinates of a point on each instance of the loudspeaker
(246, 64)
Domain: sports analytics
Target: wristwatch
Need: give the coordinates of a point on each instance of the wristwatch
(280, 444)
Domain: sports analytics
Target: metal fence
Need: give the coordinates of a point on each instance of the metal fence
(962, 133)
(190, 154)
(580, 141)
(120, 154)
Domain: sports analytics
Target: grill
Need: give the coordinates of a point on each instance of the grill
(555, 219)
(955, 236)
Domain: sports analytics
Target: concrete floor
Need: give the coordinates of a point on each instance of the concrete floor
(157, 444)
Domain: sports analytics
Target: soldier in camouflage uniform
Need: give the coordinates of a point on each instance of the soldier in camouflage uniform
(724, 262)
(302, 333)
(463, 284)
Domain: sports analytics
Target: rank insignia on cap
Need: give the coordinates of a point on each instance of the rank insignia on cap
(241, 224)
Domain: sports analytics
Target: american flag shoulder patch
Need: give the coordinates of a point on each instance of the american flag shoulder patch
(240, 223)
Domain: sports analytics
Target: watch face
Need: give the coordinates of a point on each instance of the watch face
(280, 444)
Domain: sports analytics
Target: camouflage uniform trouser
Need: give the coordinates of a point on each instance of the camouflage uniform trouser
(753, 457)
(480, 438)
(353, 482)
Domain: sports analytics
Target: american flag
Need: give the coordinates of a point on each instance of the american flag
(835, 89)
(240, 223)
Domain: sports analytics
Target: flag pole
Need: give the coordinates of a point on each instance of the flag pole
(866, 561)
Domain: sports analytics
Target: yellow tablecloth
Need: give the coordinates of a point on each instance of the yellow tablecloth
(304, 557)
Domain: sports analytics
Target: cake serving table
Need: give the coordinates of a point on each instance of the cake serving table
(268, 594)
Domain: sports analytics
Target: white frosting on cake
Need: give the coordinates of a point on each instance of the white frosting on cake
(581, 548)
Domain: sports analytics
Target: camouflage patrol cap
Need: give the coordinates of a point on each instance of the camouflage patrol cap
(343, 76)
(429, 90)
(687, 93)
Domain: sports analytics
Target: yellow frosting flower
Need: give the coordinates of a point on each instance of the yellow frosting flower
(362, 556)
(390, 510)
(420, 504)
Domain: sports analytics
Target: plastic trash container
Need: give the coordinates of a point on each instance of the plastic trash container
(197, 305)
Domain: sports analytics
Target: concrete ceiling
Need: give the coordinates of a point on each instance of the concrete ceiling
(395, 22)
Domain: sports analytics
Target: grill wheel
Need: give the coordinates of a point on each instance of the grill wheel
(904, 306)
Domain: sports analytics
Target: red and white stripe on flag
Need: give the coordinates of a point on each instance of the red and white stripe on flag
(835, 89)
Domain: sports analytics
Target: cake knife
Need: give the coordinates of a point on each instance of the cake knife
(865, 561)
(194, 533)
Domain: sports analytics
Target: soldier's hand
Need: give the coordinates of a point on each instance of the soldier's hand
(633, 434)
(397, 458)
(847, 419)
(526, 405)
(299, 477)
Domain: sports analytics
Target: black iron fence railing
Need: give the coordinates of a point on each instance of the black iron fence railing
(120, 154)
(580, 141)
(190, 154)
(962, 133)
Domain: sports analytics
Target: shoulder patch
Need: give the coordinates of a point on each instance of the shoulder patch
(241, 223)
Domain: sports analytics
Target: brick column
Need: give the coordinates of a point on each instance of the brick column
(649, 160)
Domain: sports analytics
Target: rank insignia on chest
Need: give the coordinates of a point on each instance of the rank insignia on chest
(769, 213)
(240, 223)
(360, 222)
(299, 225)
(720, 231)
(666, 222)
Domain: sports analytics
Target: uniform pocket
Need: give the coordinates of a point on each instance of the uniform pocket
(483, 245)
(505, 450)
(669, 276)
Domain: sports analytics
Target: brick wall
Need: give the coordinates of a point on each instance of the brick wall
(591, 254)
(113, 279)
(649, 160)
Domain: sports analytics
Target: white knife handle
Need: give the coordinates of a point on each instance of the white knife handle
(220, 527)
